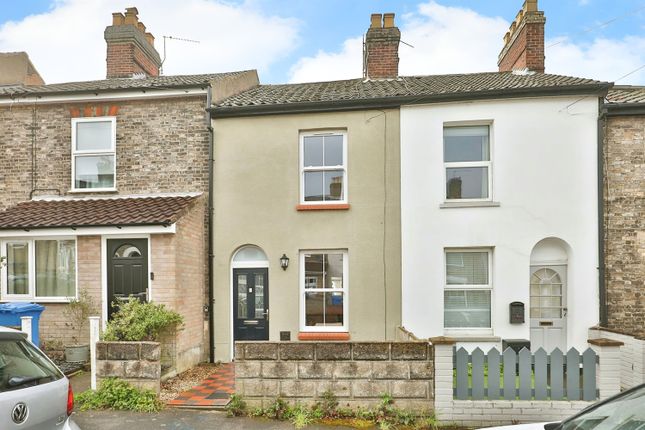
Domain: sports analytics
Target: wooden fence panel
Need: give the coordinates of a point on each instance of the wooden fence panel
(478, 374)
(557, 372)
(493, 374)
(462, 374)
(525, 374)
(541, 382)
(510, 363)
(589, 375)
(573, 374)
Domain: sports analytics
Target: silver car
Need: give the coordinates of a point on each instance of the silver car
(34, 394)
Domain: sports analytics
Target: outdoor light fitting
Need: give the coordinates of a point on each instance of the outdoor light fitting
(284, 262)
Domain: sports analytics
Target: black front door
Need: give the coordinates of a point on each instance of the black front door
(127, 271)
(251, 304)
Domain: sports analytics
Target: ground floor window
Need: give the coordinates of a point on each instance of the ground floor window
(38, 269)
(467, 293)
(323, 287)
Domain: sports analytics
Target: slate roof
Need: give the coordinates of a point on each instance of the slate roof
(626, 94)
(408, 89)
(117, 84)
(95, 212)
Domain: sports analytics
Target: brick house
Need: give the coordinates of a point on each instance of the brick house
(104, 186)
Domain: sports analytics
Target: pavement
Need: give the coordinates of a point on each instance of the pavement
(178, 419)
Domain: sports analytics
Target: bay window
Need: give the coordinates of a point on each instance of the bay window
(323, 287)
(94, 154)
(39, 269)
(467, 293)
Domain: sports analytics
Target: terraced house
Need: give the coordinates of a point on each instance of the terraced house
(460, 205)
(105, 187)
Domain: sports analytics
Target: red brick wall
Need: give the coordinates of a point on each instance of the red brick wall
(126, 59)
(382, 45)
(527, 50)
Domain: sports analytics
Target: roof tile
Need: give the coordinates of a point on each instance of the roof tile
(93, 212)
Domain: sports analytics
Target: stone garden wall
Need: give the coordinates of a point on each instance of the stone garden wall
(135, 362)
(356, 372)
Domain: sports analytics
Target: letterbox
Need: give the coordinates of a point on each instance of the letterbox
(516, 311)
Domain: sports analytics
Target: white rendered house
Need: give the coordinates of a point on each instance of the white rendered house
(499, 205)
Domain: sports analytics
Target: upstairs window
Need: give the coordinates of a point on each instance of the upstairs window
(323, 168)
(466, 156)
(93, 154)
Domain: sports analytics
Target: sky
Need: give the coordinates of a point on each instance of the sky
(318, 40)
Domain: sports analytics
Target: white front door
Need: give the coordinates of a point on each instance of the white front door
(548, 307)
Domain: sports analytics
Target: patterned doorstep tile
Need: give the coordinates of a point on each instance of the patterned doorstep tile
(213, 392)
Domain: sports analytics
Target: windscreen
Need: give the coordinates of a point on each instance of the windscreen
(23, 365)
(624, 413)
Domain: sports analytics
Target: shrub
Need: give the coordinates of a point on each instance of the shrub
(137, 321)
(77, 313)
(119, 395)
(236, 407)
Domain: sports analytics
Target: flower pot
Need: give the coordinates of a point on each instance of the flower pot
(77, 353)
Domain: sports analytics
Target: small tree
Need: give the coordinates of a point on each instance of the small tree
(77, 313)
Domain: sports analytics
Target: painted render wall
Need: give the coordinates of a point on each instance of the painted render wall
(256, 190)
(544, 178)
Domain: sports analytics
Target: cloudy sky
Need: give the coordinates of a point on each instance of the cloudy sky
(311, 40)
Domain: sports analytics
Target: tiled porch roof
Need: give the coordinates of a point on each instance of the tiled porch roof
(96, 212)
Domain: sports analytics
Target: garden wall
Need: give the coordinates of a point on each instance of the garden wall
(356, 372)
(135, 362)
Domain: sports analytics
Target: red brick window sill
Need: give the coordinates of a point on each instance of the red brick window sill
(314, 207)
(323, 336)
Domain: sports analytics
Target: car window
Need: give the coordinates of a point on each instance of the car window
(623, 413)
(23, 365)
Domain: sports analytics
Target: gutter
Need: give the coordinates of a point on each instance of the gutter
(624, 109)
(211, 199)
(602, 282)
(397, 101)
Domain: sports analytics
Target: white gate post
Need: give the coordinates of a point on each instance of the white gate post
(443, 397)
(25, 326)
(94, 338)
(608, 375)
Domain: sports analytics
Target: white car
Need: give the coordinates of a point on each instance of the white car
(34, 393)
(624, 411)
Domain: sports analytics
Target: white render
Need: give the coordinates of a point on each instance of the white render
(544, 179)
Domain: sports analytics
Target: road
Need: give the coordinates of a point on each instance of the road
(177, 419)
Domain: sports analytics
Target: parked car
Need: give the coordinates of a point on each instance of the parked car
(624, 411)
(34, 393)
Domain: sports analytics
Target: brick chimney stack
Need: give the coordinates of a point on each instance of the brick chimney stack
(524, 42)
(381, 51)
(130, 50)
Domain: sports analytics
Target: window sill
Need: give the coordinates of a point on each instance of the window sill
(93, 190)
(323, 336)
(35, 300)
(319, 207)
(486, 204)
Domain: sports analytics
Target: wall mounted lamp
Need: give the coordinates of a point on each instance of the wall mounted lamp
(284, 262)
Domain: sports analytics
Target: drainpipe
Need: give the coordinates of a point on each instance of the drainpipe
(211, 298)
(602, 285)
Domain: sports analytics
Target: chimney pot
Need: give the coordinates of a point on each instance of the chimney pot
(150, 38)
(388, 20)
(131, 16)
(141, 27)
(530, 6)
(513, 27)
(117, 18)
(376, 20)
(507, 37)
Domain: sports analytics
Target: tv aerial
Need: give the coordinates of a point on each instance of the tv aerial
(179, 39)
